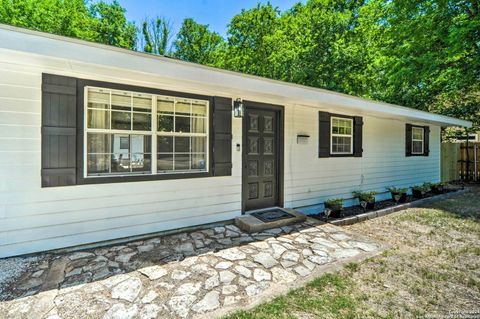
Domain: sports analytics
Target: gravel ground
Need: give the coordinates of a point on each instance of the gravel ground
(11, 269)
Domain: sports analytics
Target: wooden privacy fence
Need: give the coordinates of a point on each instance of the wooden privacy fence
(460, 161)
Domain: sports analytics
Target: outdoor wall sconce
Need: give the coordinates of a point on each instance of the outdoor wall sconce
(238, 108)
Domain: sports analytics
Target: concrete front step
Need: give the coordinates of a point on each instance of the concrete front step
(251, 224)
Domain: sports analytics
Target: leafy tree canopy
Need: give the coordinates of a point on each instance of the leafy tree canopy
(110, 25)
(196, 43)
(156, 35)
(421, 54)
(99, 22)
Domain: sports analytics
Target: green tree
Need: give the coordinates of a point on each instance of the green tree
(249, 48)
(196, 43)
(100, 22)
(68, 17)
(156, 34)
(316, 45)
(111, 25)
(464, 103)
(421, 54)
(431, 55)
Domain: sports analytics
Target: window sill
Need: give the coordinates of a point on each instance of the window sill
(140, 178)
(416, 155)
(146, 174)
(342, 155)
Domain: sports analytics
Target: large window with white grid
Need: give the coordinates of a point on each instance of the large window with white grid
(132, 133)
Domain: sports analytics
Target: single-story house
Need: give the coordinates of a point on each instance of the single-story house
(100, 143)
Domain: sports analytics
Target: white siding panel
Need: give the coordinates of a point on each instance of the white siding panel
(13, 75)
(20, 106)
(165, 210)
(20, 145)
(17, 131)
(34, 218)
(98, 194)
(76, 238)
(310, 180)
(115, 204)
(130, 218)
(20, 92)
(10, 183)
(20, 118)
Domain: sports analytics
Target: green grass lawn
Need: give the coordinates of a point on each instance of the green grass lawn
(432, 267)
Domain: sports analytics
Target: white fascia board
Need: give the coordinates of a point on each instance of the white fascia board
(45, 44)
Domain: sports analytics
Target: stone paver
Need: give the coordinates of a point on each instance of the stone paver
(179, 276)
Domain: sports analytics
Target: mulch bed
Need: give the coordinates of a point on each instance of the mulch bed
(357, 210)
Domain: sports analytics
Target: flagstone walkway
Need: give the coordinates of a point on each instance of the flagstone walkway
(195, 274)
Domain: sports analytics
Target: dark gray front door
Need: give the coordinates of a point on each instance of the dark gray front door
(261, 157)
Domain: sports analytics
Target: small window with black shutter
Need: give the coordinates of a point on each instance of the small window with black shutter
(417, 140)
(340, 135)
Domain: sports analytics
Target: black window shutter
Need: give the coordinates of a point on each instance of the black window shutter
(408, 140)
(222, 136)
(357, 136)
(59, 130)
(323, 134)
(426, 148)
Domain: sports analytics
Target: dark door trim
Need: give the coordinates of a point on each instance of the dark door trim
(280, 144)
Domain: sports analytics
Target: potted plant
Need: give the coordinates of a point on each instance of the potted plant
(419, 191)
(368, 197)
(335, 206)
(399, 195)
(438, 188)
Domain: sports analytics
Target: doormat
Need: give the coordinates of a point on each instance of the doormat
(272, 215)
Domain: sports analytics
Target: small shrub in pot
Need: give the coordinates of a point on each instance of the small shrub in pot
(420, 191)
(336, 206)
(438, 188)
(368, 197)
(401, 192)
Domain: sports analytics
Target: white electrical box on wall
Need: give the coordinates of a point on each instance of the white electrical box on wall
(302, 138)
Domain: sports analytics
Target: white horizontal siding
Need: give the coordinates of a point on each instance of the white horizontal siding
(19, 131)
(34, 218)
(12, 118)
(77, 237)
(150, 202)
(104, 192)
(120, 217)
(310, 180)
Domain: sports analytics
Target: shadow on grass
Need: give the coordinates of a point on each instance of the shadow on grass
(465, 206)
